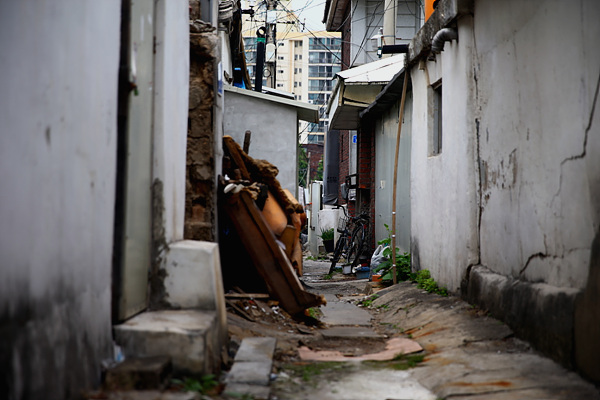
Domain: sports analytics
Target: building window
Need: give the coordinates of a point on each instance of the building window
(280, 57)
(300, 70)
(280, 85)
(320, 85)
(435, 145)
(280, 71)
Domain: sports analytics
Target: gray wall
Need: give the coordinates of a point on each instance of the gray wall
(539, 145)
(386, 132)
(274, 130)
(512, 204)
(58, 109)
(444, 187)
(519, 146)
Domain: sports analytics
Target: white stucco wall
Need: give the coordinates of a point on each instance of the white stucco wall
(386, 133)
(521, 137)
(538, 67)
(274, 133)
(172, 66)
(59, 66)
(443, 187)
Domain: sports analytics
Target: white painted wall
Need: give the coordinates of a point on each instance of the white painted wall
(172, 66)
(443, 187)
(386, 131)
(59, 65)
(538, 67)
(274, 132)
(521, 136)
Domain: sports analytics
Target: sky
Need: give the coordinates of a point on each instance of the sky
(310, 12)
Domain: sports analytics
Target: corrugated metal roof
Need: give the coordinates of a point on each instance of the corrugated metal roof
(376, 72)
(388, 96)
(306, 112)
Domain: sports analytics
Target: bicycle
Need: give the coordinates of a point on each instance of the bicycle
(350, 244)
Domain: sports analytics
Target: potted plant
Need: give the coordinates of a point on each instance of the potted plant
(327, 237)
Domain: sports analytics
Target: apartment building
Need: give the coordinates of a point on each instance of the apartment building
(305, 65)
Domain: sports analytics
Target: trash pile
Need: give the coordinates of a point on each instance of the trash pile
(259, 231)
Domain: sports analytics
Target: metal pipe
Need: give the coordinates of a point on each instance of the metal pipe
(442, 36)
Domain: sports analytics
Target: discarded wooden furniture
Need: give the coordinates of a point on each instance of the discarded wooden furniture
(269, 259)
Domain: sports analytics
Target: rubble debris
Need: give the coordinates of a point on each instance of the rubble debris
(260, 225)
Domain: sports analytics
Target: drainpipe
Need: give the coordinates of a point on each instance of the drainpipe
(443, 35)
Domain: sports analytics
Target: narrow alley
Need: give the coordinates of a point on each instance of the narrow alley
(179, 179)
(465, 352)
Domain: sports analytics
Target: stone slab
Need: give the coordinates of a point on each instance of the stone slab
(250, 372)
(342, 313)
(189, 337)
(258, 349)
(349, 332)
(258, 392)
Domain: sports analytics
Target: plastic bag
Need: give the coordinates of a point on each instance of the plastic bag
(378, 257)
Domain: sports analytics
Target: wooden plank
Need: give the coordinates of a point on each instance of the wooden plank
(247, 296)
(239, 310)
(233, 150)
(288, 238)
(269, 259)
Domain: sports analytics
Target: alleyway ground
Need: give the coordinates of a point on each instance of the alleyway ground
(467, 353)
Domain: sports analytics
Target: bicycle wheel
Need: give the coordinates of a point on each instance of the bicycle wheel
(356, 246)
(337, 253)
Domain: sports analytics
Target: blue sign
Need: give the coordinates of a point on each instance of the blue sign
(354, 139)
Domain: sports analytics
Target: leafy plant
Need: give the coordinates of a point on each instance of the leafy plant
(314, 312)
(426, 282)
(327, 234)
(368, 301)
(202, 385)
(403, 268)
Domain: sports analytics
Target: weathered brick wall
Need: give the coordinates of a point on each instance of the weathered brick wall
(314, 151)
(200, 199)
(366, 174)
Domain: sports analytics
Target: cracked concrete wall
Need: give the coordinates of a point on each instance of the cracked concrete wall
(537, 67)
(519, 169)
(444, 210)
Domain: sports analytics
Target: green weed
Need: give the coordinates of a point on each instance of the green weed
(202, 385)
(426, 282)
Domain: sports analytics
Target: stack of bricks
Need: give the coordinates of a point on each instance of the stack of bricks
(200, 197)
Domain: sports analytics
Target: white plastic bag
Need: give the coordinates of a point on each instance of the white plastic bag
(377, 257)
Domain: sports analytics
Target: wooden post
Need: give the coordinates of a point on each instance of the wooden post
(404, 85)
(246, 147)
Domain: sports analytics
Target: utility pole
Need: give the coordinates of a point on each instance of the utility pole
(260, 58)
(389, 24)
(271, 43)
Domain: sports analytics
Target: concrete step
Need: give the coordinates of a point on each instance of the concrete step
(189, 337)
(342, 313)
(251, 370)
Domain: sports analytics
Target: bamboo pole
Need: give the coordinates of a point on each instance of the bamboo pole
(402, 102)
